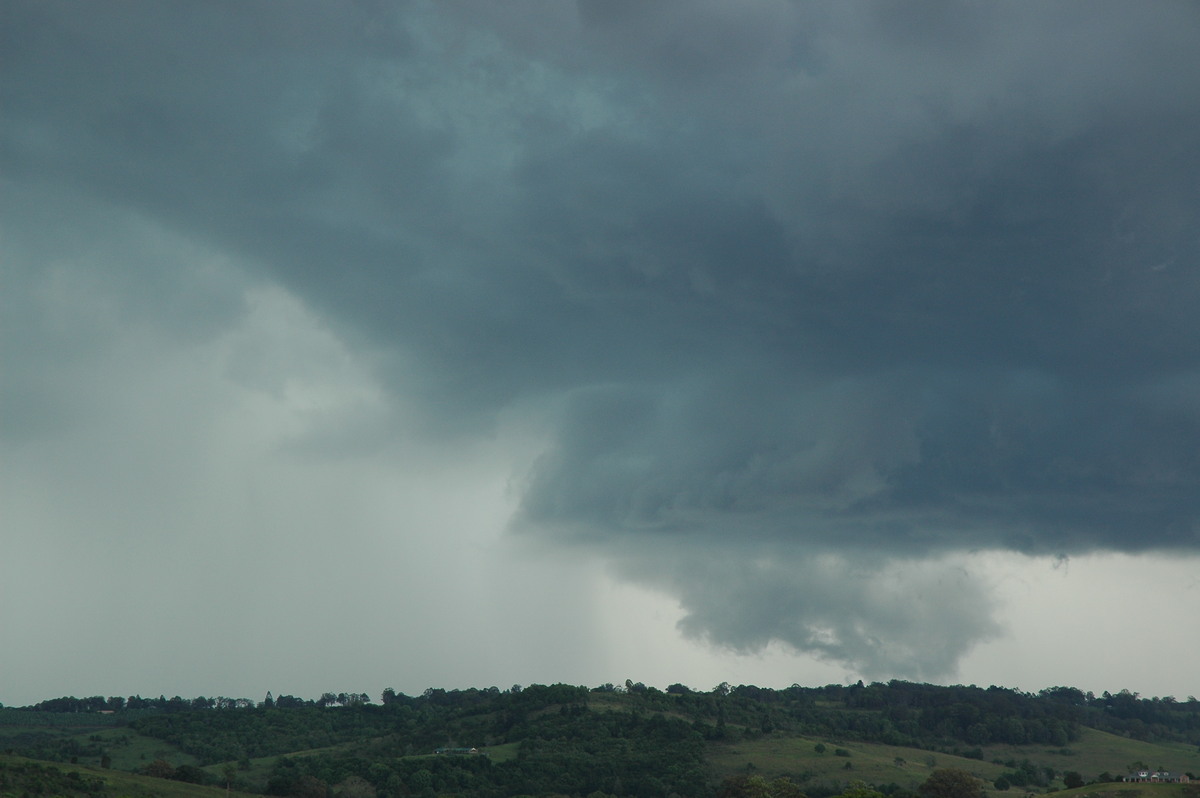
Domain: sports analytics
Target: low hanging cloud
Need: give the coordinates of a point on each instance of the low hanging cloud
(808, 301)
(879, 616)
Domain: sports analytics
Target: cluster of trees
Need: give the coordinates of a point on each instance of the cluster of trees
(958, 718)
(53, 747)
(1025, 774)
(262, 731)
(611, 740)
(951, 783)
(968, 714)
(1140, 718)
(564, 749)
(33, 779)
(903, 713)
(116, 703)
(162, 769)
(434, 719)
(96, 703)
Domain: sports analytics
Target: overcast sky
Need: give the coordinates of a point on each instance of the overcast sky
(349, 345)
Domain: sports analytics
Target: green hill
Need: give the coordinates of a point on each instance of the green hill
(1136, 790)
(634, 741)
(21, 777)
(1094, 754)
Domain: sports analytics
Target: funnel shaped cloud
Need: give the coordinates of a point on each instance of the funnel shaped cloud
(878, 617)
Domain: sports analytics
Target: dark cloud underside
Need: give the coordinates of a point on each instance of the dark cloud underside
(869, 281)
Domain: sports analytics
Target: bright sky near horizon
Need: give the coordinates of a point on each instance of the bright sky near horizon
(451, 344)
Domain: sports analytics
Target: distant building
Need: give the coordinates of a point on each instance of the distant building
(1161, 776)
(457, 751)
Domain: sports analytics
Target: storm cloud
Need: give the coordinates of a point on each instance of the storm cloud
(806, 303)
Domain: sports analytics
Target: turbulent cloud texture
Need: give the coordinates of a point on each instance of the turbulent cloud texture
(807, 302)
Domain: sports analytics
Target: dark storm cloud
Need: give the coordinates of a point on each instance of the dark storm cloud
(881, 618)
(843, 280)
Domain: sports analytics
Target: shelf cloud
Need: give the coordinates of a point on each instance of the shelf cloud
(806, 304)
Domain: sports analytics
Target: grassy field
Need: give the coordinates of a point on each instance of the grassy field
(1097, 751)
(1094, 753)
(502, 753)
(127, 749)
(127, 785)
(1128, 791)
(874, 764)
(130, 750)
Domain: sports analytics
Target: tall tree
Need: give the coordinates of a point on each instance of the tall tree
(951, 783)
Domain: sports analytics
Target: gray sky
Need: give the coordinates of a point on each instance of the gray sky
(353, 345)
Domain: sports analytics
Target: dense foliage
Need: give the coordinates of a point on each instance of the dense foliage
(631, 740)
(33, 779)
(572, 750)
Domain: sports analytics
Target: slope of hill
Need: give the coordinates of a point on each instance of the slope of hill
(1133, 790)
(635, 741)
(21, 776)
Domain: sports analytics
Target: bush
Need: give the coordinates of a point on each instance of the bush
(951, 783)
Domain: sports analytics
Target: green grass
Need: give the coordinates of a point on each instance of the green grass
(607, 702)
(869, 762)
(128, 785)
(1136, 790)
(126, 749)
(130, 751)
(1094, 753)
(502, 753)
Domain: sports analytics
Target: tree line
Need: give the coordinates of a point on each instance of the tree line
(611, 740)
(903, 713)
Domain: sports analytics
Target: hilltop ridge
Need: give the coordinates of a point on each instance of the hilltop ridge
(616, 740)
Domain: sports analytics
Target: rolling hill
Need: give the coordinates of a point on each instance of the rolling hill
(607, 741)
